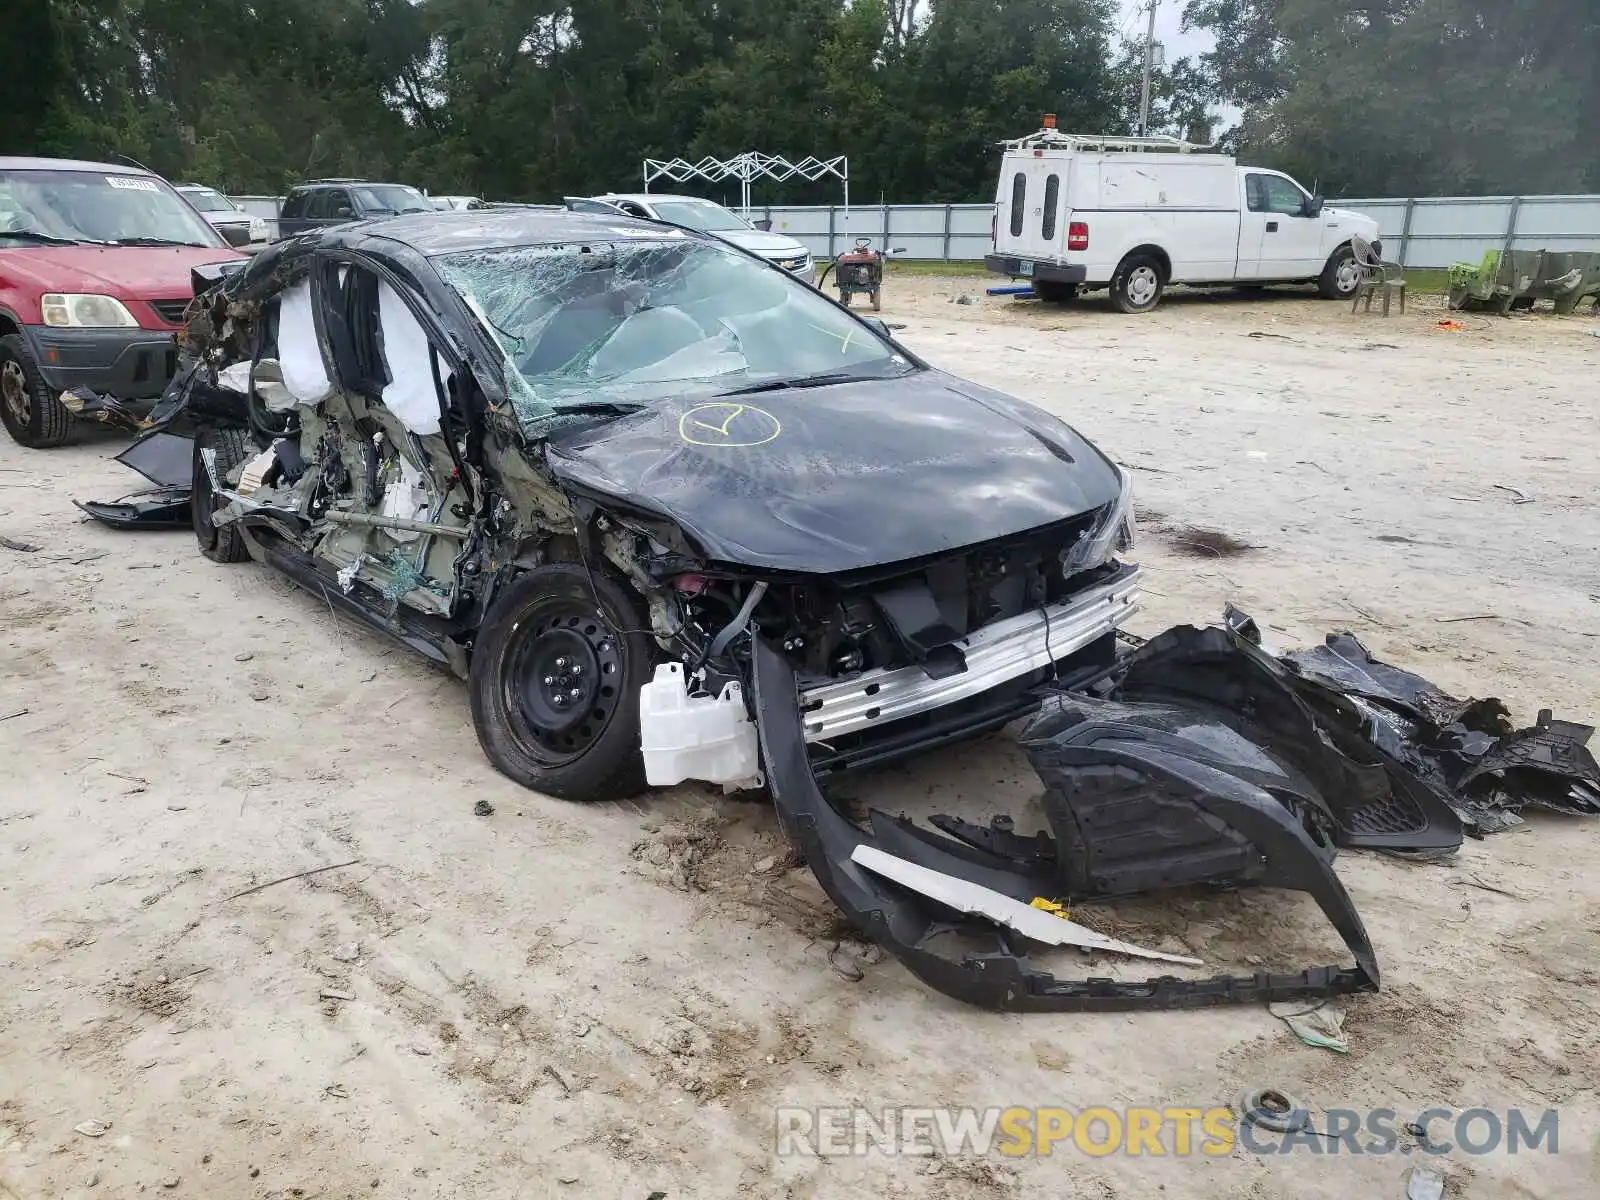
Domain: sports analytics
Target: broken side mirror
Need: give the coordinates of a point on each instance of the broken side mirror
(206, 276)
(764, 225)
(881, 328)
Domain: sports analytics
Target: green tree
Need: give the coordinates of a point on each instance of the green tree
(1418, 97)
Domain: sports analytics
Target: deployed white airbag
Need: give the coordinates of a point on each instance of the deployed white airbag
(410, 394)
(298, 352)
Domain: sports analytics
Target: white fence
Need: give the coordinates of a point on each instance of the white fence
(1432, 232)
(1438, 232)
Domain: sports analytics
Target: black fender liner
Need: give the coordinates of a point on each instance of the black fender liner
(906, 924)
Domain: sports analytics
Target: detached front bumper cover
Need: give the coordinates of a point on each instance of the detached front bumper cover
(908, 925)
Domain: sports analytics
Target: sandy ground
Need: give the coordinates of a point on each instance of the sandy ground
(610, 1001)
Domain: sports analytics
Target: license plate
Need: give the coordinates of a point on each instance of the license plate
(1025, 267)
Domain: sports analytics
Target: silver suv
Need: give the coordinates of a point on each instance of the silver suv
(708, 217)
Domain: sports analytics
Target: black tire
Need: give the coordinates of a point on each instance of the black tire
(1053, 291)
(844, 299)
(1339, 278)
(29, 408)
(1138, 284)
(544, 624)
(223, 544)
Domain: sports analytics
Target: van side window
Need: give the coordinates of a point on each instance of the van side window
(1019, 200)
(1052, 193)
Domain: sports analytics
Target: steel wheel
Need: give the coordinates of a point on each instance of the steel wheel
(1137, 285)
(546, 625)
(1143, 285)
(15, 393)
(1341, 275)
(30, 409)
(563, 679)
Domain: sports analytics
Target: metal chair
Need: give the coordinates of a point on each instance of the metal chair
(1376, 274)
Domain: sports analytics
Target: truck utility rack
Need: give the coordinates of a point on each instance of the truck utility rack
(1054, 139)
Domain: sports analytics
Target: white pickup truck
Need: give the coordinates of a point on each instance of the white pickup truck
(1134, 214)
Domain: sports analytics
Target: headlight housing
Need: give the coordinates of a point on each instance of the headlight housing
(69, 310)
(1113, 531)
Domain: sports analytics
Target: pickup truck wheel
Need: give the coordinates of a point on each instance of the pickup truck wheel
(1137, 285)
(219, 543)
(556, 670)
(1053, 291)
(32, 414)
(1341, 276)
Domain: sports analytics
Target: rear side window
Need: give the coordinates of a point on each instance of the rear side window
(1019, 200)
(1052, 193)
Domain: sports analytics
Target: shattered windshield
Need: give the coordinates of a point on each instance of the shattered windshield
(391, 198)
(698, 214)
(631, 322)
(89, 206)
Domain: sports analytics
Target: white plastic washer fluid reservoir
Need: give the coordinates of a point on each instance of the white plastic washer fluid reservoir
(696, 737)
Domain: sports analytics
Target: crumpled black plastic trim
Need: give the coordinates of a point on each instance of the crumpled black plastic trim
(903, 923)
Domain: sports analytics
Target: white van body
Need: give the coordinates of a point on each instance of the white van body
(1075, 213)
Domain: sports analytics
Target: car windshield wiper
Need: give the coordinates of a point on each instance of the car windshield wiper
(153, 241)
(613, 407)
(49, 239)
(798, 381)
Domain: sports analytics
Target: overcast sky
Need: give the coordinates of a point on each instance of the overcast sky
(1170, 33)
(1169, 19)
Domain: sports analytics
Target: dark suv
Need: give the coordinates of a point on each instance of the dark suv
(322, 202)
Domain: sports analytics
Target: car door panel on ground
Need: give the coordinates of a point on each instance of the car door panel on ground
(1277, 239)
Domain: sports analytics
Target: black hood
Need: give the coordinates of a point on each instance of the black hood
(832, 479)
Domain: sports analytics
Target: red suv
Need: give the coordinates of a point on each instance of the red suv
(94, 278)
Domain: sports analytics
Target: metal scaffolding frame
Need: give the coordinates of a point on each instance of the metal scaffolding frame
(750, 165)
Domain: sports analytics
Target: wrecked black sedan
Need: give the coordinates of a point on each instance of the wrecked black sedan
(675, 515)
(590, 463)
